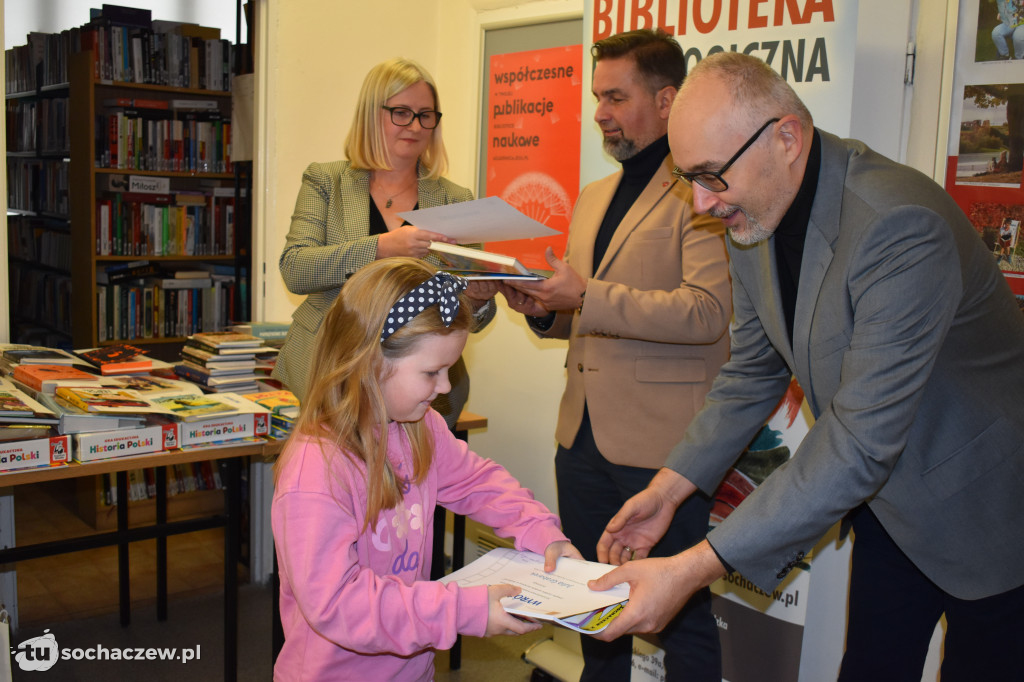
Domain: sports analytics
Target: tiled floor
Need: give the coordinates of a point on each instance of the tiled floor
(83, 584)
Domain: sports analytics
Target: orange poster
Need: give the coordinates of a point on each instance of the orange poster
(533, 142)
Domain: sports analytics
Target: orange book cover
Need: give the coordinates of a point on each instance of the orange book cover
(41, 377)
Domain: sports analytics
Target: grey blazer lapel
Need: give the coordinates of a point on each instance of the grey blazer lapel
(819, 245)
(764, 292)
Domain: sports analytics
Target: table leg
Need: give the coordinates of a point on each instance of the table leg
(161, 544)
(123, 571)
(233, 518)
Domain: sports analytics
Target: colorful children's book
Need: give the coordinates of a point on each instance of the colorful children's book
(190, 407)
(278, 402)
(108, 400)
(73, 419)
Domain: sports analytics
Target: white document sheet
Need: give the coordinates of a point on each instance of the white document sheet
(491, 219)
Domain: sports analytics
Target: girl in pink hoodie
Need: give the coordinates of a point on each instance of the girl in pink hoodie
(357, 484)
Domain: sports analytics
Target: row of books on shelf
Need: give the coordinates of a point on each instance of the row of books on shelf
(135, 54)
(153, 308)
(127, 45)
(184, 135)
(181, 478)
(38, 185)
(38, 126)
(113, 401)
(35, 240)
(161, 223)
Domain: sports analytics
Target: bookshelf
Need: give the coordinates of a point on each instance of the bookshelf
(95, 506)
(38, 227)
(152, 183)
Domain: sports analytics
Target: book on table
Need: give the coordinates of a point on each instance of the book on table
(149, 386)
(281, 402)
(18, 407)
(38, 355)
(47, 378)
(476, 264)
(74, 420)
(107, 400)
(189, 407)
(209, 358)
(117, 358)
(561, 596)
(225, 339)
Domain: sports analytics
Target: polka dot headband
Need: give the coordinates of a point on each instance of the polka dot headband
(442, 290)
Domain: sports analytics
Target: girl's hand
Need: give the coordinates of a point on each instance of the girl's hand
(559, 549)
(499, 621)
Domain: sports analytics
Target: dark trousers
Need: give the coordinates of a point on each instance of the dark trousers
(894, 609)
(590, 491)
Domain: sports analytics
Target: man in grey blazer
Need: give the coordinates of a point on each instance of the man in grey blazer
(863, 279)
(643, 298)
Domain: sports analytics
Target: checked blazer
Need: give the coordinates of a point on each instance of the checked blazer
(327, 242)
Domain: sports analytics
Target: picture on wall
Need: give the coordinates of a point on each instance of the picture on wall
(1000, 31)
(999, 226)
(991, 149)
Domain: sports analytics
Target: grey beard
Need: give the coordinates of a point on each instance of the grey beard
(755, 232)
(620, 149)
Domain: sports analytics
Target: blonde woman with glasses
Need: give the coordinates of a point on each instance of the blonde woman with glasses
(347, 212)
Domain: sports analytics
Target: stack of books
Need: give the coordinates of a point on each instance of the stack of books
(221, 361)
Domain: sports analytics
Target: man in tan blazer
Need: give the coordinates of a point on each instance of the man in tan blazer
(643, 296)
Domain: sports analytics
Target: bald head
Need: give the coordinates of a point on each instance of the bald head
(741, 134)
(755, 90)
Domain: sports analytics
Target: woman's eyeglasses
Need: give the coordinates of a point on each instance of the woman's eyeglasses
(404, 116)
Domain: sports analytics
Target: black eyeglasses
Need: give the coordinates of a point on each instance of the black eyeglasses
(712, 180)
(404, 116)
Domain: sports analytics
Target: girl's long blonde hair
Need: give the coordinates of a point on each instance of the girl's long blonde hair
(345, 406)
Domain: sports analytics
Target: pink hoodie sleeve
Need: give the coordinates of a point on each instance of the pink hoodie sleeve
(485, 491)
(318, 534)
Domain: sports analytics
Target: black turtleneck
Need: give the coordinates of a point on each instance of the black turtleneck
(637, 171)
(791, 232)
